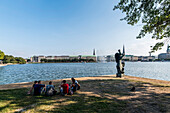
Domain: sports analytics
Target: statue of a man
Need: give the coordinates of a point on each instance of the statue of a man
(120, 65)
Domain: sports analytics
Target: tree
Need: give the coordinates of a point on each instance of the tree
(12, 59)
(1, 55)
(154, 14)
(20, 60)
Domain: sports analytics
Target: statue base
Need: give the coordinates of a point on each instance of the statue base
(119, 75)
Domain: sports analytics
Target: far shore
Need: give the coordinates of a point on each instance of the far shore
(103, 77)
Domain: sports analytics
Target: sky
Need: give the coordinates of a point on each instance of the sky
(67, 27)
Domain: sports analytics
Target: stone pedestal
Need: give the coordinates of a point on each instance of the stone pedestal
(119, 75)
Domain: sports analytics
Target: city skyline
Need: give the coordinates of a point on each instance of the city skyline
(76, 27)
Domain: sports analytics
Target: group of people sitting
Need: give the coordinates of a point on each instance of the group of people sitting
(49, 90)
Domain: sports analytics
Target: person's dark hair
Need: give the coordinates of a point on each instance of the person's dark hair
(50, 82)
(64, 81)
(35, 82)
(39, 81)
(73, 80)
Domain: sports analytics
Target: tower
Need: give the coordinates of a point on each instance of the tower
(168, 49)
(94, 53)
(123, 49)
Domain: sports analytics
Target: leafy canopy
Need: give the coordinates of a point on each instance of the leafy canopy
(14, 60)
(154, 14)
(1, 55)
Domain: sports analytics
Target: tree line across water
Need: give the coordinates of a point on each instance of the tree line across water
(11, 59)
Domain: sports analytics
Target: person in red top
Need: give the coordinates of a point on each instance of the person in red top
(64, 88)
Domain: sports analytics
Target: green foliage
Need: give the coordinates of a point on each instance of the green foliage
(15, 60)
(154, 14)
(20, 60)
(1, 55)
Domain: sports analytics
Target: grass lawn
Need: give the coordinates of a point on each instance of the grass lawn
(104, 96)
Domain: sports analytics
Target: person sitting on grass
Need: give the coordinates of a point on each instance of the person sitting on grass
(50, 91)
(35, 82)
(38, 88)
(75, 85)
(64, 88)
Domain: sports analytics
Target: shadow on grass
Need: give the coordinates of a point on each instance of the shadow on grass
(95, 96)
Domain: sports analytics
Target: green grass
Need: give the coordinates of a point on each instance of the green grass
(11, 100)
(95, 96)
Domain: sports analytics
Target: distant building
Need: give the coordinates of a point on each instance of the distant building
(37, 58)
(127, 57)
(88, 57)
(165, 56)
(101, 58)
(73, 57)
(49, 57)
(110, 58)
(61, 57)
(138, 58)
(134, 58)
(34, 59)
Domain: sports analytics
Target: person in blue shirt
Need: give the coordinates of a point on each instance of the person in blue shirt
(29, 92)
(50, 91)
(38, 88)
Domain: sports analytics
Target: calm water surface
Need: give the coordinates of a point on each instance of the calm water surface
(32, 72)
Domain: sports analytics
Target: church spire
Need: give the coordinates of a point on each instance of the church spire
(123, 49)
(94, 53)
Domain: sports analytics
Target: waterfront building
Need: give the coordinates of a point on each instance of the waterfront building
(37, 58)
(134, 58)
(40, 57)
(88, 57)
(61, 57)
(49, 57)
(85, 57)
(140, 58)
(165, 56)
(101, 58)
(151, 58)
(73, 57)
(110, 58)
(34, 59)
(127, 57)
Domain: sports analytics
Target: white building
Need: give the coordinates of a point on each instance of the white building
(165, 56)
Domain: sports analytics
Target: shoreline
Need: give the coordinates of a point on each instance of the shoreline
(2, 65)
(102, 77)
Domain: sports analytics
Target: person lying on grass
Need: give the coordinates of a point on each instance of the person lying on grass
(38, 88)
(29, 92)
(50, 91)
(64, 88)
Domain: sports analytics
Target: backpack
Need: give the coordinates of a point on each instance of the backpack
(49, 92)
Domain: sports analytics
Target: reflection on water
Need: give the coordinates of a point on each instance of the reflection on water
(32, 72)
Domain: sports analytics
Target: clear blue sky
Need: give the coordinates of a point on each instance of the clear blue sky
(66, 27)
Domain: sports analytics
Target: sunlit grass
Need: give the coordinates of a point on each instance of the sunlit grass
(105, 96)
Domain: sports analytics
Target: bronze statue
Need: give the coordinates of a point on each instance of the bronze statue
(120, 65)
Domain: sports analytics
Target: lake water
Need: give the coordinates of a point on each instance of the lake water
(31, 72)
